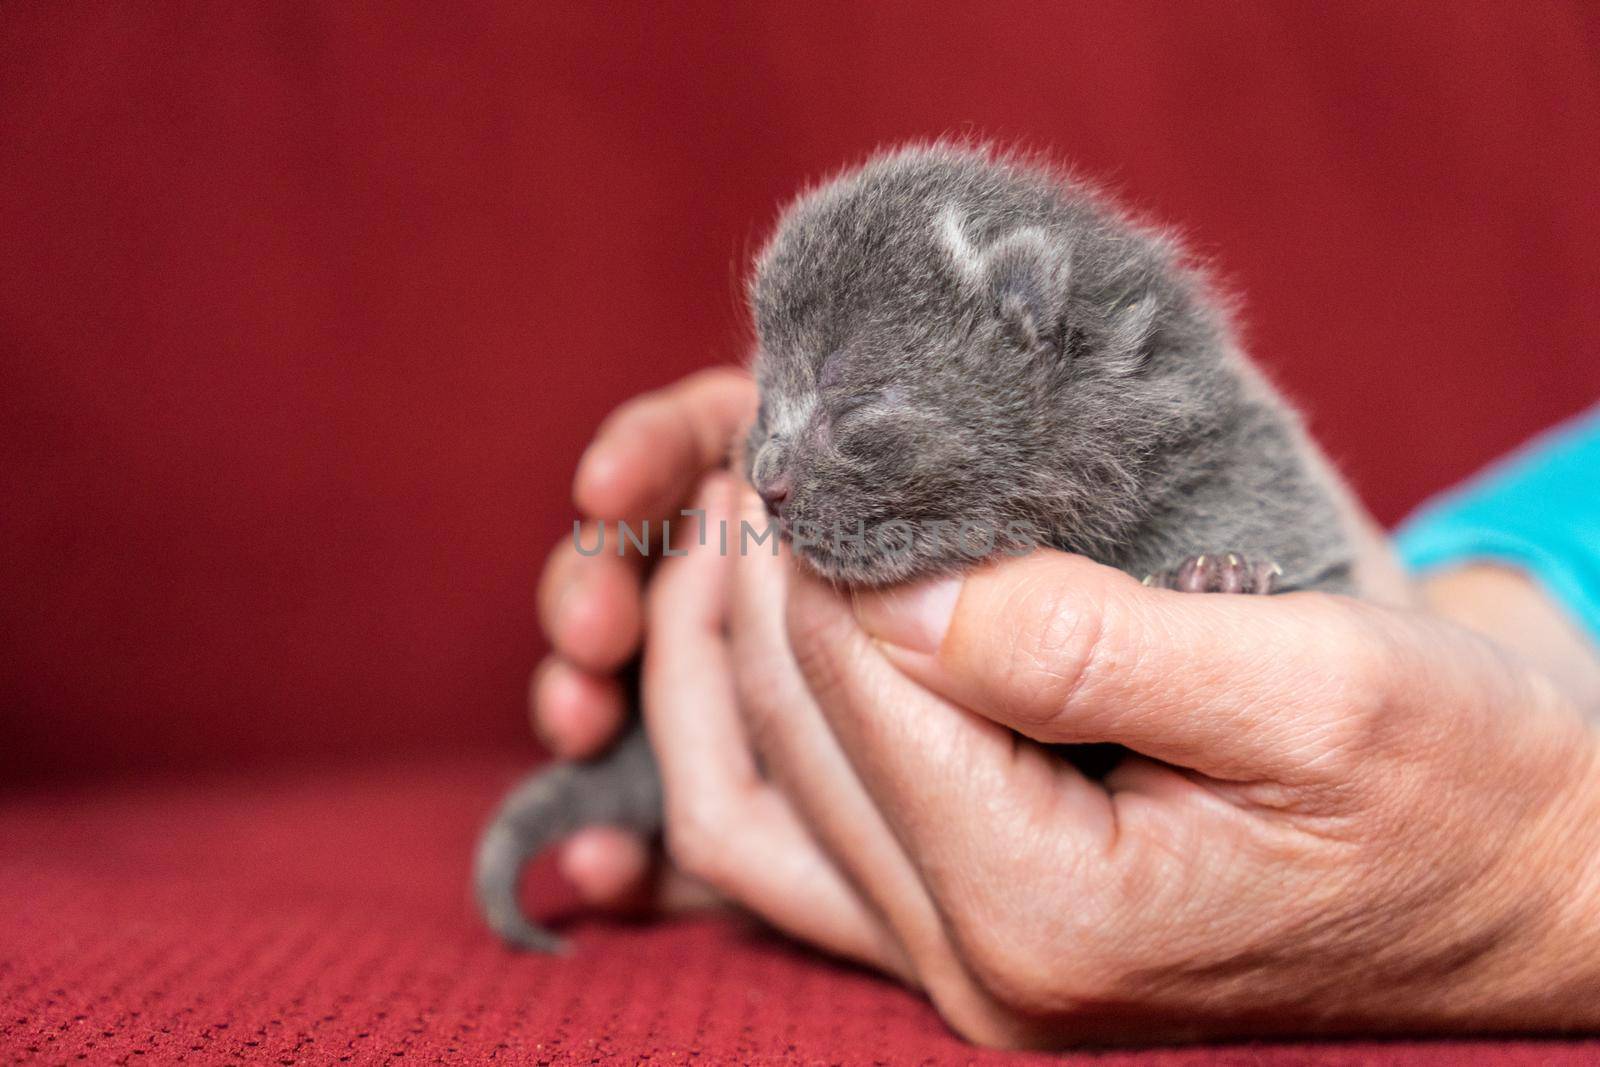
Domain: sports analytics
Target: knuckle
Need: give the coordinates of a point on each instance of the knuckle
(1054, 649)
(1363, 664)
(1344, 711)
(1358, 637)
(1370, 671)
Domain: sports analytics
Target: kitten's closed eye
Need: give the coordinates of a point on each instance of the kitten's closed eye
(847, 404)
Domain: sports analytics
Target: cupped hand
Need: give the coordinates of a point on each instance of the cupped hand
(1335, 816)
(644, 464)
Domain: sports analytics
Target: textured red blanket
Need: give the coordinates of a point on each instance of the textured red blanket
(307, 916)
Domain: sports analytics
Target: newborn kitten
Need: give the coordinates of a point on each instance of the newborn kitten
(950, 336)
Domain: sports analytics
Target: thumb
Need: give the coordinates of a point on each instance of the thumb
(1064, 650)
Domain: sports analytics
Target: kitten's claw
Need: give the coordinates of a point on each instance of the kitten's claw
(1225, 573)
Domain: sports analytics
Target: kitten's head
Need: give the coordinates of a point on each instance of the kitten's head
(951, 350)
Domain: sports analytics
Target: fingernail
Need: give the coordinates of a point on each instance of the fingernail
(915, 617)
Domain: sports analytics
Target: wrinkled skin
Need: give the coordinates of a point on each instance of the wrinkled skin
(1311, 840)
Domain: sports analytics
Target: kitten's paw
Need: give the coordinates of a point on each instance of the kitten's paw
(1227, 572)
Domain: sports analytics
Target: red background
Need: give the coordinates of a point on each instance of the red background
(306, 312)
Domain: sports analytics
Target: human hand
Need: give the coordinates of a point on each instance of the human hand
(644, 464)
(1337, 816)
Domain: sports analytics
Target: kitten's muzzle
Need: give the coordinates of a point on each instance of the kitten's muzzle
(774, 493)
(770, 476)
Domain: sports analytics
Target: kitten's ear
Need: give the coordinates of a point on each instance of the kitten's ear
(1024, 275)
(1027, 276)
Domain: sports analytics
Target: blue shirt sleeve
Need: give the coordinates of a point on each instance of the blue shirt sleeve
(1539, 509)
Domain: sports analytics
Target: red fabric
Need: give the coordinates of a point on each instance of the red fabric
(309, 917)
(306, 311)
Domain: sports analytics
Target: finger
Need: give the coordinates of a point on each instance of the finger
(590, 606)
(725, 825)
(650, 452)
(801, 756)
(618, 871)
(609, 867)
(639, 470)
(575, 714)
(963, 798)
(1064, 651)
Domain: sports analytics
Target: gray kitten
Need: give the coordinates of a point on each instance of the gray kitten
(969, 353)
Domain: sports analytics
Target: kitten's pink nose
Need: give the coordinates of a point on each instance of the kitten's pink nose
(774, 493)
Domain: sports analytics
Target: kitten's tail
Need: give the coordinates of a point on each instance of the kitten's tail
(621, 788)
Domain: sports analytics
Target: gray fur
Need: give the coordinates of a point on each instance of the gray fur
(947, 334)
(622, 789)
